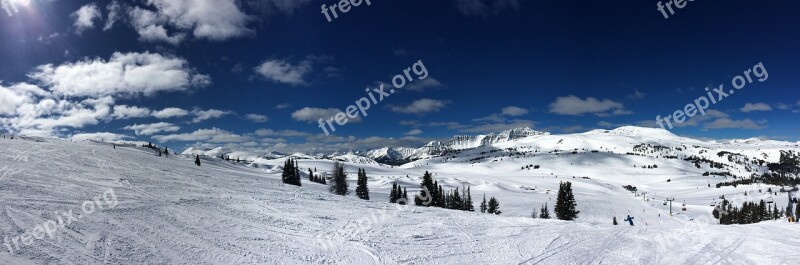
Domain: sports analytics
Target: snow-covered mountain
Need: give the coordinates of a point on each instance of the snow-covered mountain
(169, 210)
(458, 142)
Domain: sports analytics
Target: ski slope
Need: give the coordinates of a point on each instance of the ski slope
(170, 211)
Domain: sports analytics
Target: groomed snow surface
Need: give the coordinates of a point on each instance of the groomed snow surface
(169, 211)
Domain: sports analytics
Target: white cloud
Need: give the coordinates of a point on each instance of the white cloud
(99, 136)
(284, 72)
(126, 112)
(282, 133)
(170, 113)
(153, 128)
(216, 20)
(283, 106)
(636, 94)
(202, 115)
(514, 111)
(414, 132)
(126, 74)
(115, 13)
(85, 17)
(213, 135)
(760, 106)
(421, 106)
(424, 84)
(257, 118)
(572, 105)
(312, 115)
(726, 123)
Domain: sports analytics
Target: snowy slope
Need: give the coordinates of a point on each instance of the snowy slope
(171, 211)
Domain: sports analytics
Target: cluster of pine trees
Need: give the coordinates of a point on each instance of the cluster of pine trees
(748, 213)
(543, 212)
(432, 194)
(291, 173)
(316, 179)
(492, 207)
(398, 195)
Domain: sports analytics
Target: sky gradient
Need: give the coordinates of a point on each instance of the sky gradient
(258, 74)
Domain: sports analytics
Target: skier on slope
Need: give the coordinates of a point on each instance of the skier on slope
(629, 220)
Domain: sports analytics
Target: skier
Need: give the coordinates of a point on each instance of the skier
(629, 220)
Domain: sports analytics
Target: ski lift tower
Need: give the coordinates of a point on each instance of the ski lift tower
(670, 199)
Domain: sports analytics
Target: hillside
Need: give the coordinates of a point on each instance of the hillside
(170, 210)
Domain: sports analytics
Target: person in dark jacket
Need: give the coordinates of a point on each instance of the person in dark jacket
(629, 220)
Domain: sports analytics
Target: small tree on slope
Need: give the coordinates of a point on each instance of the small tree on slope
(339, 184)
(565, 203)
(362, 191)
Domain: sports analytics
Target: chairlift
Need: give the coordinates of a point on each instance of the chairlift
(770, 200)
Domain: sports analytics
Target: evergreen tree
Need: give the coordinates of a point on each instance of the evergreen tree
(615, 221)
(393, 194)
(469, 207)
(565, 203)
(291, 174)
(483, 204)
(545, 213)
(494, 206)
(438, 195)
(339, 184)
(287, 171)
(166, 151)
(405, 197)
(297, 174)
(311, 175)
(197, 160)
(362, 191)
(427, 191)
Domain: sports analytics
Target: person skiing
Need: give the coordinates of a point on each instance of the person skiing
(629, 220)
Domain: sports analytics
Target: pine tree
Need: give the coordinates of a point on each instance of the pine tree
(438, 195)
(470, 206)
(393, 194)
(166, 151)
(339, 185)
(311, 175)
(494, 206)
(545, 213)
(615, 221)
(404, 201)
(291, 173)
(565, 203)
(483, 204)
(427, 191)
(288, 171)
(362, 191)
(297, 179)
(197, 160)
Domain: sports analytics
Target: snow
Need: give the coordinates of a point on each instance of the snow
(171, 211)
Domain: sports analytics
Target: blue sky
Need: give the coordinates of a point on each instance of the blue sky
(258, 74)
